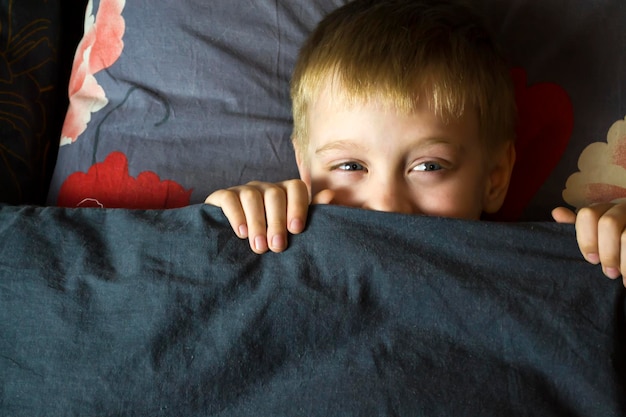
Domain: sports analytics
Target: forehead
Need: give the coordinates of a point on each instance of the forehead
(336, 116)
(331, 91)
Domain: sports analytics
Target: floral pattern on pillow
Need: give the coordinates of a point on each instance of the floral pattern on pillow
(28, 57)
(109, 184)
(100, 47)
(544, 129)
(227, 121)
(602, 175)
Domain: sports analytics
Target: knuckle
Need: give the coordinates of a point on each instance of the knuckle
(228, 194)
(212, 198)
(275, 226)
(247, 194)
(256, 224)
(609, 221)
(298, 191)
(300, 185)
(225, 197)
(611, 261)
(587, 214)
(293, 182)
(274, 193)
(586, 247)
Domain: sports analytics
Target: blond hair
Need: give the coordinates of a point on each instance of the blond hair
(404, 51)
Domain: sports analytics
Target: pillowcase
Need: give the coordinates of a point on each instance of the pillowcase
(174, 99)
(170, 101)
(34, 40)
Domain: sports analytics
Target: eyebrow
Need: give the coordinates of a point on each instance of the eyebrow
(348, 144)
(340, 145)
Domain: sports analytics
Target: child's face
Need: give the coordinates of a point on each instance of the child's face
(377, 158)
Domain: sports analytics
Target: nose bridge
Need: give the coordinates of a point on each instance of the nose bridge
(389, 193)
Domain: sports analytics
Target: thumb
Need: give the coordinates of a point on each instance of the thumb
(323, 197)
(563, 215)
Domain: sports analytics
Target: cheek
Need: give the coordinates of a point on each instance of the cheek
(470, 197)
(322, 179)
(343, 195)
(455, 199)
(318, 184)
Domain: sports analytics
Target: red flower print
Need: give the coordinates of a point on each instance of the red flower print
(100, 47)
(545, 124)
(108, 184)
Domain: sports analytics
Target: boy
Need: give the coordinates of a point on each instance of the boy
(402, 106)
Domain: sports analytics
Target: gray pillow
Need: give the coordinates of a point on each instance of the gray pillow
(174, 99)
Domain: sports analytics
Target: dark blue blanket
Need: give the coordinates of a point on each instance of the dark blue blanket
(167, 313)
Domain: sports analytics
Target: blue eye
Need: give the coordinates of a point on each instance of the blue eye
(428, 166)
(350, 166)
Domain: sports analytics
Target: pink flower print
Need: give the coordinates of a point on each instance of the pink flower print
(602, 172)
(100, 47)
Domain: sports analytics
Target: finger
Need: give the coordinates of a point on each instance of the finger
(324, 197)
(611, 230)
(587, 223)
(254, 210)
(297, 205)
(587, 232)
(275, 200)
(564, 215)
(623, 258)
(228, 201)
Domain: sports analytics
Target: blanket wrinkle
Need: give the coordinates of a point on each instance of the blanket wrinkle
(168, 312)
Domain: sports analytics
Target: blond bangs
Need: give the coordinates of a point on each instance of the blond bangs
(403, 58)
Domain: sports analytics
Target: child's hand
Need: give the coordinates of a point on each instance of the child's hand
(264, 212)
(601, 235)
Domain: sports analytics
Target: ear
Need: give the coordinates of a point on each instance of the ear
(303, 169)
(499, 178)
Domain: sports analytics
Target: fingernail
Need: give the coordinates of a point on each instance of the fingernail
(593, 258)
(278, 242)
(260, 243)
(295, 225)
(243, 231)
(612, 272)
